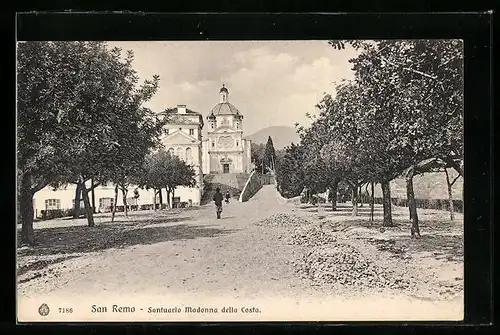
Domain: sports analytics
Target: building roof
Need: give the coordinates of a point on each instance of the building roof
(225, 108)
(174, 111)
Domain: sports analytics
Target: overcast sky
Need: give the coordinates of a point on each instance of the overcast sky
(272, 83)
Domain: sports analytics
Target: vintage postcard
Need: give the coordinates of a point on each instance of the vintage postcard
(306, 180)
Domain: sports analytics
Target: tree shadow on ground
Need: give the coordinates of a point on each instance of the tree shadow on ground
(144, 221)
(84, 239)
(39, 265)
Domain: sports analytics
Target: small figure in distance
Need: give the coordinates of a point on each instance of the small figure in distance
(228, 196)
(218, 201)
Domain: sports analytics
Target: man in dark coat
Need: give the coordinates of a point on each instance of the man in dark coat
(228, 196)
(218, 201)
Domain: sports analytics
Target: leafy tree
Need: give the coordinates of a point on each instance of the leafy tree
(110, 133)
(270, 154)
(164, 171)
(257, 153)
(289, 171)
(426, 99)
(75, 102)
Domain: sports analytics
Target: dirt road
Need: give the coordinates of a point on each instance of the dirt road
(189, 254)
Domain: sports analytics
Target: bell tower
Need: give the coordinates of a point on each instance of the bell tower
(224, 94)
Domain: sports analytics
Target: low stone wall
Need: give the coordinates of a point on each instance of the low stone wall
(252, 186)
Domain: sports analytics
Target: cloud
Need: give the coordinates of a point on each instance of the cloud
(271, 82)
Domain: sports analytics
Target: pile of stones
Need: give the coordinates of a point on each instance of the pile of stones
(338, 263)
(312, 235)
(283, 220)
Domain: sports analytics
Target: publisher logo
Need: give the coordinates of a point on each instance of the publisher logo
(44, 310)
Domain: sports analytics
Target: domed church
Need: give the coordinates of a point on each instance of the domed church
(225, 150)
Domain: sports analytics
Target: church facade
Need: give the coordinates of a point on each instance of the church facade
(225, 150)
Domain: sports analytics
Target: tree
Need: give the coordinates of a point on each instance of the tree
(141, 139)
(257, 156)
(42, 93)
(289, 171)
(413, 90)
(110, 132)
(164, 171)
(270, 154)
(76, 101)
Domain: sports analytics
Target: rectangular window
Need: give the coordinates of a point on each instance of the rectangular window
(213, 144)
(191, 131)
(52, 204)
(105, 202)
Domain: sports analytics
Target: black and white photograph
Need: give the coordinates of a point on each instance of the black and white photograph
(240, 180)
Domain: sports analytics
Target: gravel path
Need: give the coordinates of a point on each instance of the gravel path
(210, 259)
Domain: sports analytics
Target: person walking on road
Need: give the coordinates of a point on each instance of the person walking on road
(218, 201)
(228, 196)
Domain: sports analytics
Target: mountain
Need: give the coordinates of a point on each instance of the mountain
(281, 135)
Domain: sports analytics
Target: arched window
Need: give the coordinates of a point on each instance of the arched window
(179, 153)
(189, 158)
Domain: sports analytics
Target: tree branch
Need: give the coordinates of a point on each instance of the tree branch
(454, 180)
(408, 68)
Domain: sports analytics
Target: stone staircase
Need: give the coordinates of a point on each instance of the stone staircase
(232, 182)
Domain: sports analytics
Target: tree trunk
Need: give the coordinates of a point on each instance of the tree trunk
(450, 195)
(124, 196)
(173, 195)
(168, 198)
(76, 207)
(26, 210)
(386, 193)
(334, 191)
(114, 204)
(160, 196)
(372, 205)
(410, 195)
(88, 210)
(355, 200)
(360, 196)
(93, 195)
(154, 198)
(451, 162)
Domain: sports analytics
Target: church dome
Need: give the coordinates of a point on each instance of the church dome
(225, 108)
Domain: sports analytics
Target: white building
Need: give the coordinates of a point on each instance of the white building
(183, 139)
(225, 150)
(64, 198)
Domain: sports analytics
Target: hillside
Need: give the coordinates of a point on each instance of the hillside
(281, 135)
